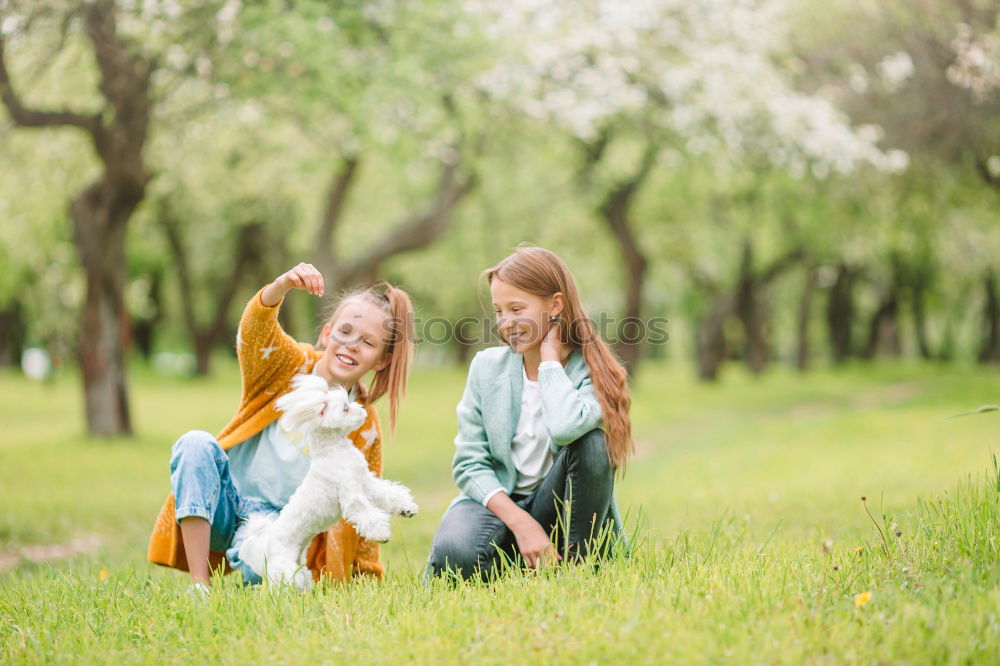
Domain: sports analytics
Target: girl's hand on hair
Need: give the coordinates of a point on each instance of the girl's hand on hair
(304, 277)
(553, 348)
(534, 544)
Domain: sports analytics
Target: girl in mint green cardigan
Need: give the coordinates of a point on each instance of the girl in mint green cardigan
(542, 426)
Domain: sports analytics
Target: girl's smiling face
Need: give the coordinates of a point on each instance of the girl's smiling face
(355, 343)
(522, 317)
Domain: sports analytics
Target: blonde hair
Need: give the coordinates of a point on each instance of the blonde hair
(391, 379)
(541, 272)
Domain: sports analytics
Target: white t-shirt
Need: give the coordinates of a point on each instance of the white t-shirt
(530, 445)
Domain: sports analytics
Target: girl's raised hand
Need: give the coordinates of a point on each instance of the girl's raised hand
(305, 277)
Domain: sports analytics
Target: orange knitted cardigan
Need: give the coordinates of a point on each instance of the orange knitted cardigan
(268, 359)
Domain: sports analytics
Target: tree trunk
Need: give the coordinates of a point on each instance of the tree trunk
(325, 249)
(463, 351)
(616, 212)
(711, 339)
(629, 346)
(750, 305)
(100, 216)
(840, 314)
(883, 329)
(249, 247)
(803, 348)
(989, 350)
(101, 212)
(203, 344)
(755, 351)
(12, 335)
(946, 350)
(144, 328)
(918, 290)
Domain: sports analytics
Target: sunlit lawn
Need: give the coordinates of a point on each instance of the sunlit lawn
(734, 492)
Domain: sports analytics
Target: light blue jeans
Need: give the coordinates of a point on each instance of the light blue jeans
(202, 486)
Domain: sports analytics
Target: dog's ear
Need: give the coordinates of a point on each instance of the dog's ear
(307, 382)
(358, 416)
(303, 403)
(305, 389)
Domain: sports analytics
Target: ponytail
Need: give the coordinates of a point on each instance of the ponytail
(392, 378)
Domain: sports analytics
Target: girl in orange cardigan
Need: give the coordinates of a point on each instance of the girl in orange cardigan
(254, 464)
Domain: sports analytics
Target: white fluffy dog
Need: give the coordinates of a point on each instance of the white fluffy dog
(337, 485)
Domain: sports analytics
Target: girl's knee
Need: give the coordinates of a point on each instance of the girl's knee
(464, 540)
(452, 551)
(591, 451)
(449, 552)
(196, 446)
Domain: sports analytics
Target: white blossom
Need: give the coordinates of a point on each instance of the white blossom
(977, 62)
(895, 69)
(714, 66)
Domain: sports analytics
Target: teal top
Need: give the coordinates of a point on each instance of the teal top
(491, 406)
(269, 466)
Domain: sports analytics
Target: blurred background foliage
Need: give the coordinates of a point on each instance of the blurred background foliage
(784, 182)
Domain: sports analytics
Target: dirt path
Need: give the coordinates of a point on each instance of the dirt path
(9, 559)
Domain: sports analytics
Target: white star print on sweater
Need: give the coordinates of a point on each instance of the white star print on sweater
(369, 435)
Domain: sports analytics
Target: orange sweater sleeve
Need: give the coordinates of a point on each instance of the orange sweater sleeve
(263, 348)
(366, 558)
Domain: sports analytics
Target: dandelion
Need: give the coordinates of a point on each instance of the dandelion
(862, 599)
(827, 545)
(858, 549)
(103, 575)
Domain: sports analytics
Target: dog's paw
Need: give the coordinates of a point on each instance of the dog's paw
(398, 500)
(256, 546)
(374, 527)
(302, 579)
(253, 552)
(408, 509)
(281, 571)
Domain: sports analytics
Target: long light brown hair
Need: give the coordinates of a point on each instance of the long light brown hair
(541, 272)
(398, 339)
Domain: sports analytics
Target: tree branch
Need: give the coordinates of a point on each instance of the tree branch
(780, 265)
(172, 231)
(248, 251)
(623, 193)
(416, 231)
(616, 205)
(335, 202)
(27, 117)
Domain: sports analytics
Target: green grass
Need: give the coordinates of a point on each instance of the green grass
(735, 492)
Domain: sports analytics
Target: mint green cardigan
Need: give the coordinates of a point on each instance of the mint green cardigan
(491, 407)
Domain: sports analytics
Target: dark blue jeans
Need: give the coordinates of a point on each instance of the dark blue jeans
(470, 538)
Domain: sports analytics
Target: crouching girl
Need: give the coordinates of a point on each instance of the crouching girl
(542, 426)
(254, 465)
